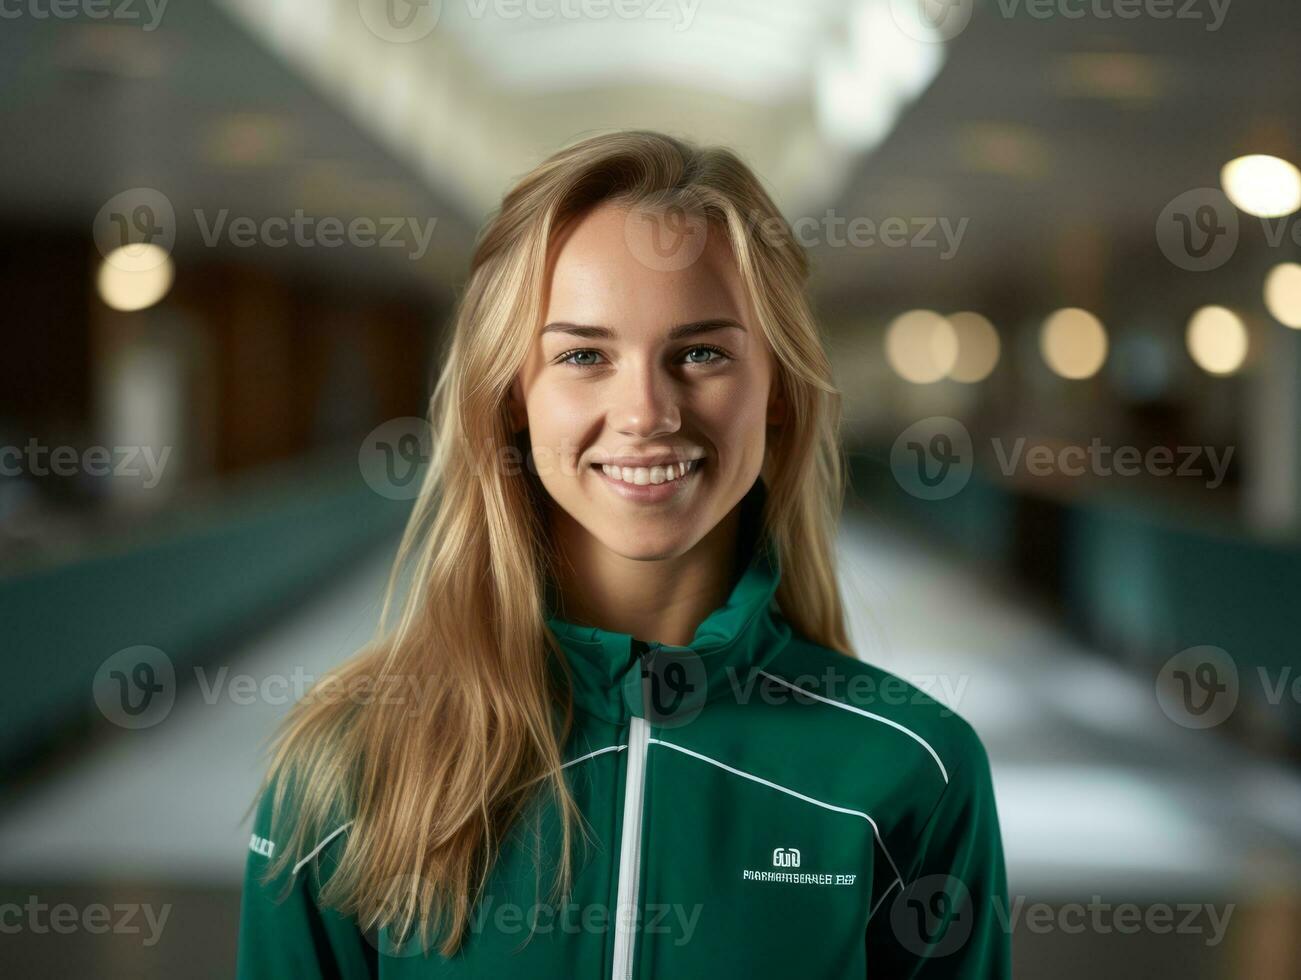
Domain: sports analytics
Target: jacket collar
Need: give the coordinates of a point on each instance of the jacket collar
(615, 675)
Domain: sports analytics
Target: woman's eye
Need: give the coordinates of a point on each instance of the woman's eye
(700, 354)
(586, 352)
(717, 354)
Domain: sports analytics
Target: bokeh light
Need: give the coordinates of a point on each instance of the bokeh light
(978, 347)
(135, 277)
(1283, 294)
(921, 346)
(1265, 186)
(1073, 343)
(1217, 340)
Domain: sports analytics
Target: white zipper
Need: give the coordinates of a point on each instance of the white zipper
(630, 851)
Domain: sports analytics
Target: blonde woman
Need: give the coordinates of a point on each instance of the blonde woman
(619, 608)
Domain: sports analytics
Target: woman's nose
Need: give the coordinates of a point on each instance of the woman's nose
(645, 401)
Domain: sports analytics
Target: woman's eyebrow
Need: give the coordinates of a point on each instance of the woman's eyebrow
(594, 332)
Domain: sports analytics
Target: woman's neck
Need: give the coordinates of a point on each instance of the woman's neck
(659, 601)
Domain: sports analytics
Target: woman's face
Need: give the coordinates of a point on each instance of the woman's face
(644, 362)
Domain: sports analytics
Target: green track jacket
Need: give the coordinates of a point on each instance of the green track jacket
(757, 806)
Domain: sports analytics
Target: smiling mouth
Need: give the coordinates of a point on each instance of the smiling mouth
(641, 476)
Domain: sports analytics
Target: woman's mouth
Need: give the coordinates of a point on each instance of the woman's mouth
(649, 483)
(642, 475)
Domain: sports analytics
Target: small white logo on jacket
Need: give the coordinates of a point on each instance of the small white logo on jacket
(260, 845)
(786, 857)
(789, 857)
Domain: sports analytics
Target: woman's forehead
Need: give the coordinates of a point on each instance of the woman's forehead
(611, 263)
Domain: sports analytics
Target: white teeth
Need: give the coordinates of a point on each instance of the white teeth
(642, 475)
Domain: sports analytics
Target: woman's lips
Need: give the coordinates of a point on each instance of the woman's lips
(651, 492)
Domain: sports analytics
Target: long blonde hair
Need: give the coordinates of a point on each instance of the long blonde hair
(432, 792)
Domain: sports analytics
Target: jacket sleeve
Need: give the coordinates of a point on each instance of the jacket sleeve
(950, 920)
(291, 936)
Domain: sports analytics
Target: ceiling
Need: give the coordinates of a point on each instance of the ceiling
(203, 114)
(1060, 141)
(1048, 145)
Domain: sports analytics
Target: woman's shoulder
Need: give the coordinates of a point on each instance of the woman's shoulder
(885, 706)
(292, 813)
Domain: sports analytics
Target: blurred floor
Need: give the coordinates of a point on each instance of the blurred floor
(1103, 800)
(155, 817)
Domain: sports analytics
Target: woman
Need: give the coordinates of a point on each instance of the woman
(622, 620)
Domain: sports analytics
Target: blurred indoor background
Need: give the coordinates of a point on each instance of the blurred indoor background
(1056, 248)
